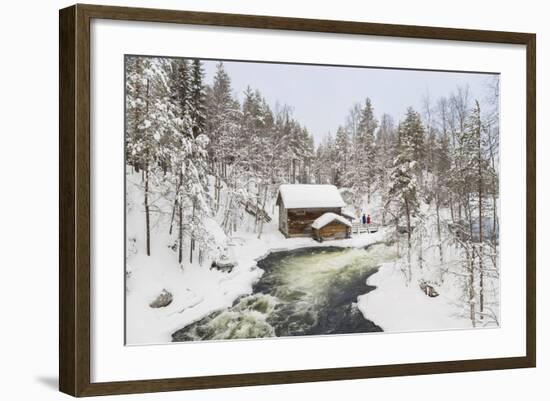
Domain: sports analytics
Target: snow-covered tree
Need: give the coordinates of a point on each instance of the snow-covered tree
(143, 127)
(222, 127)
(204, 161)
(342, 149)
(386, 143)
(197, 98)
(365, 168)
(403, 185)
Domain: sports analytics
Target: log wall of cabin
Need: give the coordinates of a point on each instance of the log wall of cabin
(283, 223)
(299, 220)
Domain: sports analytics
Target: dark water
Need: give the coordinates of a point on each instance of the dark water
(309, 291)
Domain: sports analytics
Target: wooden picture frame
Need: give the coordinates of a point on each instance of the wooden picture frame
(74, 199)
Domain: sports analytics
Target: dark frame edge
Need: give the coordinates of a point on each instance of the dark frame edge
(301, 24)
(74, 204)
(531, 200)
(67, 138)
(301, 376)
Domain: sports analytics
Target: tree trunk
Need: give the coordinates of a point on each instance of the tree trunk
(368, 193)
(420, 256)
(147, 219)
(480, 216)
(263, 208)
(218, 185)
(174, 209)
(145, 177)
(471, 264)
(180, 219)
(409, 245)
(257, 219)
(192, 242)
(216, 188)
(471, 288)
(439, 241)
(397, 235)
(451, 207)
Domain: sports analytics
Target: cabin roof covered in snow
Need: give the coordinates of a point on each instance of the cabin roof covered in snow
(306, 196)
(327, 218)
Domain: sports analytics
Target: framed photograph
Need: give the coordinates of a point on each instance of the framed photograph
(250, 200)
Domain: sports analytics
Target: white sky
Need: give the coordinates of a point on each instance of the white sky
(321, 96)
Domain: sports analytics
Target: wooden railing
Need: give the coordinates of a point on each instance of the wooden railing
(359, 228)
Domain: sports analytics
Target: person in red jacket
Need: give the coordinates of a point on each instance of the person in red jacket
(368, 219)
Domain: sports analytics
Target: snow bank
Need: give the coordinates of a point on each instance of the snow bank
(197, 290)
(398, 307)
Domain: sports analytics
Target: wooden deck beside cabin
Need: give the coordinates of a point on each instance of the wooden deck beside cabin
(359, 228)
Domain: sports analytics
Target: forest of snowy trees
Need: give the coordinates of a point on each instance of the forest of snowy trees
(430, 175)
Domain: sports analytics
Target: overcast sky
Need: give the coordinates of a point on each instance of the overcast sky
(321, 96)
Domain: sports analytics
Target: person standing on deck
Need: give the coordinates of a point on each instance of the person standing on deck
(368, 219)
(364, 219)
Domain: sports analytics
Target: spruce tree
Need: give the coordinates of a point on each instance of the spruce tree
(197, 98)
(365, 153)
(403, 186)
(342, 156)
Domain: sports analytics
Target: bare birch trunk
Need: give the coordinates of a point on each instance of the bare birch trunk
(147, 218)
(180, 219)
(439, 240)
(145, 177)
(471, 289)
(480, 216)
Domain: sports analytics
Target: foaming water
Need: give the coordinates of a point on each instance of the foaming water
(308, 291)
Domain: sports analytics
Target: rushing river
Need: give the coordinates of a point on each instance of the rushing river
(307, 291)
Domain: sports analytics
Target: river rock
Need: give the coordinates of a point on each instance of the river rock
(224, 265)
(163, 299)
(428, 289)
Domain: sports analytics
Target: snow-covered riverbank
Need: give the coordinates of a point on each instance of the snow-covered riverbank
(399, 307)
(198, 290)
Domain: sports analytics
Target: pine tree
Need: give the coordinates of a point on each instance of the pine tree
(386, 143)
(441, 187)
(222, 127)
(403, 187)
(197, 98)
(180, 95)
(415, 134)
(342, 156)
(364, 163)
(142, 127)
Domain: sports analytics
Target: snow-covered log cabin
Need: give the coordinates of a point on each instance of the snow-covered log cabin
(301, 204)
(331, 226)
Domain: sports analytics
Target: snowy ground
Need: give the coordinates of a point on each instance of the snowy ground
(197, 290)
(398, 307)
